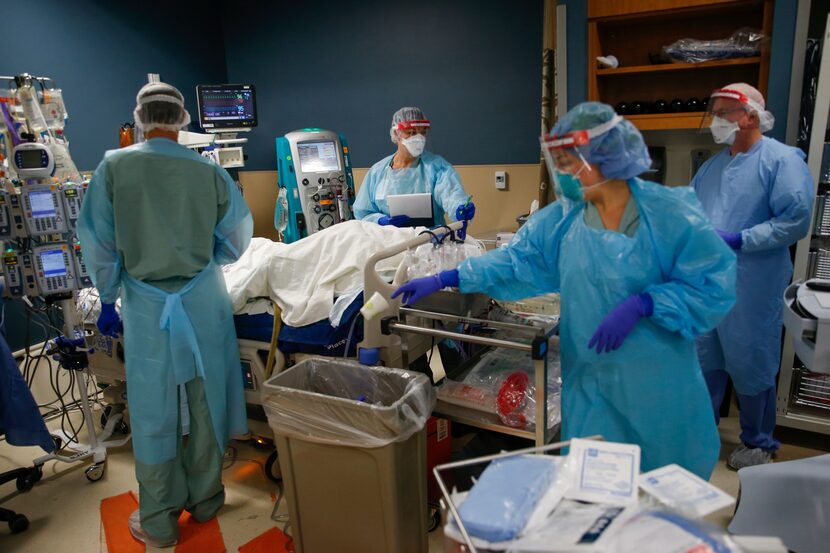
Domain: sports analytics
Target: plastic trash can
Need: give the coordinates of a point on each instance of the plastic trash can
(352, 450)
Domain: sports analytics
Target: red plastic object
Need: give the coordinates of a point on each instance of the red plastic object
(511, 399)
(439, 451)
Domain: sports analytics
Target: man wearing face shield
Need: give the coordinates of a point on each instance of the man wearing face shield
(641, 273)
(758, 194)
(412, 170)
(157, 221)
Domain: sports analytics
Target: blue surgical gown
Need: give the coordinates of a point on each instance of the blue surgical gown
(170, 336)
(431, 173)
(20, 418)
(766, 194)
(650, 391)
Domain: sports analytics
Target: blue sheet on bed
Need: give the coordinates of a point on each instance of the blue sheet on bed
(318, 338)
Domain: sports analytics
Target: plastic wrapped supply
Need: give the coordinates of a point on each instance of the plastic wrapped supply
(505, 497)
(429, 259)
(659, 531)
(340, 402)
(744, 43)
(502, 383)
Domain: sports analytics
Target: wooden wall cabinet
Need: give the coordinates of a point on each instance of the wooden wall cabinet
(633, 29)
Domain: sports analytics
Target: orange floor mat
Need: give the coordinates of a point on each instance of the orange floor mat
(115, 511)
(272, 541)
(193, 537)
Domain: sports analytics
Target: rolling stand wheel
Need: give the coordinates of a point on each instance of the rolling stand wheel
(94, 472)
(272, 468)
(27, 481)
(18, 524)
(434, 518)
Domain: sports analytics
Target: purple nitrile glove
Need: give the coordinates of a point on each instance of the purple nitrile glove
(733, 239)
(419, 288)
(618, 324)
(396, 221)
(109, 323)
(465, 212)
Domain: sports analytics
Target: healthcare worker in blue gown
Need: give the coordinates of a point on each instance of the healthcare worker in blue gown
(758, 194)
(157, 221)
(412, 170)
(641, 273)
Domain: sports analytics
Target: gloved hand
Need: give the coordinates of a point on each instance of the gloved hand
(109, 323)
(733, 239)
(419, 288)
(465, 212)
(618, 324)
(397, 220)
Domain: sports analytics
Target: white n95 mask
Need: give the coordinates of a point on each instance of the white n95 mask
(415, 144)
(723, 131)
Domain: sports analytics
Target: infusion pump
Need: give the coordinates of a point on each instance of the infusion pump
(41, 255)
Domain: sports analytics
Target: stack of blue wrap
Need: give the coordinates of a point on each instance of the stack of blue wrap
(501, 502)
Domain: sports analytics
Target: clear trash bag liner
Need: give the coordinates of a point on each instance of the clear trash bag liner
(341, 402)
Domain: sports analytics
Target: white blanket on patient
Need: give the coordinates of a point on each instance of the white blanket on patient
(304, 277)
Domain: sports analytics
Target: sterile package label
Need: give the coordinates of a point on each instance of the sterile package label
(575, 526)
(665, 533)
(603, 472)
(679, 489)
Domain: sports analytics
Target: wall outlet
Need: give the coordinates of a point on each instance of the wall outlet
(699, 156)
(501, 180)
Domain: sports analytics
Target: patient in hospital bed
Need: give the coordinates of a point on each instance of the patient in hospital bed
(316, 282)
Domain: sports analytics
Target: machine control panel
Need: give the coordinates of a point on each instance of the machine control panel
(54, 268)
(33, 160)
(5, 214)
(84, 280)
(72, 196)
(43, 210)
(13, 273)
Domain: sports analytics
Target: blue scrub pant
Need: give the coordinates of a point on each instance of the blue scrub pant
(757, 413)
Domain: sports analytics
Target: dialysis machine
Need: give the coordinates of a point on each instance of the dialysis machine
(316, 186)
(41, 193)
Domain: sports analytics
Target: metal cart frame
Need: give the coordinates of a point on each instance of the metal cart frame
(392, 329)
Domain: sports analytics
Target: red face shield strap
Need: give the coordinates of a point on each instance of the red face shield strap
(729, 93)
(570, 140)
(414, 124)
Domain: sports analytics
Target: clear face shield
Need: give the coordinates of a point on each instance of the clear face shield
(413, 135)
(566, 157)
(726, 109)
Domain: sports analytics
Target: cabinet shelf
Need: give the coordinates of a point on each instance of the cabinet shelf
(666, 121)
(636, 30)
(677, 67)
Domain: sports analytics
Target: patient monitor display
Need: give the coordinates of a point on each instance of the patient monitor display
(227, 106)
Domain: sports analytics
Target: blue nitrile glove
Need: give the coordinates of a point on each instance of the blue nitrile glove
(396, 221)
(733, 239)
(465, 212)
(618, 324)
(419, 288)
(109, 323)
